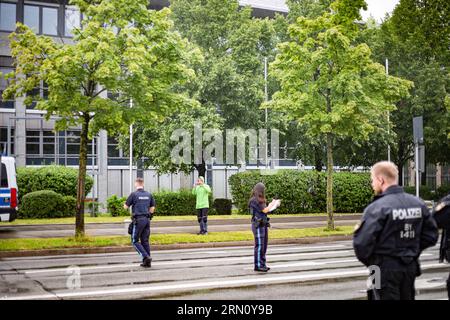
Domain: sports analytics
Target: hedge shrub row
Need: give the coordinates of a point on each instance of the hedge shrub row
(427, 193)
(60, 179)
(171, 203)
(304, 191)
(47, 204)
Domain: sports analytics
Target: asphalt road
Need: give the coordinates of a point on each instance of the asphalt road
(320, 271)
(166, 227)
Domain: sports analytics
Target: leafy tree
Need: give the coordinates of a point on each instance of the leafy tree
(330, 84)
(122, 47)
(415, 40)
(231, 77)
(154, 145)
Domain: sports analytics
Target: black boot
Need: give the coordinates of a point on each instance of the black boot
(147, 263)
(263, 269)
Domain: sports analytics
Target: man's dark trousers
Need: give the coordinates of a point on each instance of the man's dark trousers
(202, 216)
(397, 281)
(140, 236)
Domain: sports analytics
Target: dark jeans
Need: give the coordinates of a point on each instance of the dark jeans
(397, 281)
(261, 239)
(202, 217)
(140, 236)
(448, 286)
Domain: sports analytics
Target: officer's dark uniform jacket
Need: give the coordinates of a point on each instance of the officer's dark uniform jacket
(441, 214)
(141, 201)
(396, 225)
(259, 218)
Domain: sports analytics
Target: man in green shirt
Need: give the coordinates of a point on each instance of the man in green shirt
(202, 191)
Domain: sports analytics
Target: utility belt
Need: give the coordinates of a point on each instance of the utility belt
(135, 218)
(142, 216)
(391, 262)
(261, 222)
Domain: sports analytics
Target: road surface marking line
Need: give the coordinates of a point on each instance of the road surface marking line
(208, 284)
(193, 261)
(307, 264)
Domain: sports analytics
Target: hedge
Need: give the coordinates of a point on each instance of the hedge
(47, 204)
(427, 193)
(168, 203)
(115, 204)
(222, 206)
(60, 179)
(304, 191)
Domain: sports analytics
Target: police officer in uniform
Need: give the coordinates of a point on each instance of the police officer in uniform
(441, 214)
(143, 207)
(260, 224)
(395, 228)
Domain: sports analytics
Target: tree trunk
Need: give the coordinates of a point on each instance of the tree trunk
(330, 222)
(201, 168)
(318, 158)
(81, 187)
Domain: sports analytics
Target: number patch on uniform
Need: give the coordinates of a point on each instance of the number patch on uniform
(408, 232)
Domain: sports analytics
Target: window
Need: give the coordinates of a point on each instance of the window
(72, 21)
(3, 84)
(4, 141)
(31, 17)
(48, 143)
(50, 21)
(37, 94)
(42, 20)
(7, 16)
(4, 177)
(33, 142)
(113, 150)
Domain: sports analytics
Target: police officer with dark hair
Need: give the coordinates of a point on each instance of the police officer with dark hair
(441, 214)
(260, 223)
(395, 228)
(143, 207)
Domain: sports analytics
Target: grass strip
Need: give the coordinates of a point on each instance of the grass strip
(163, 239)
(109, 219)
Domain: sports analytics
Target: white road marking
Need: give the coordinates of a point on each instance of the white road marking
(307, 264)
(231, 250)
(203, 285)
(193, 261)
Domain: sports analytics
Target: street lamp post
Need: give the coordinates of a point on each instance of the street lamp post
(131, 152)
(266, 98)
(388, 116)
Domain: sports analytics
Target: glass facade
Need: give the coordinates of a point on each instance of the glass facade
(7, 16)
(72, 21)
(50, 21)
(47, 147)
(4, 140)
(31, 17)
(9, 104)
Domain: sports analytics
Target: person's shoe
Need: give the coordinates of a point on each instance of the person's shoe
(147, 263)
(263, 269)
(199, 233)
(205, 233)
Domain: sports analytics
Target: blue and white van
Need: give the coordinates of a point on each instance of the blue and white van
(8, 189)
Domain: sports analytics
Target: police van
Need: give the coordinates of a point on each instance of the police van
(8, 189)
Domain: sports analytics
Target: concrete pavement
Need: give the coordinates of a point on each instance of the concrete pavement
(318, 271)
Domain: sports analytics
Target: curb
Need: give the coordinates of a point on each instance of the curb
(70, 251)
